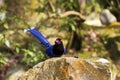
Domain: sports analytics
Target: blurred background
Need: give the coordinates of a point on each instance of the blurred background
(88, 29)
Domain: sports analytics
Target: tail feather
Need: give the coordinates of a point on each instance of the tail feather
(39, 36)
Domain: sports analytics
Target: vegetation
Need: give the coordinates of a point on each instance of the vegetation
(17, 47)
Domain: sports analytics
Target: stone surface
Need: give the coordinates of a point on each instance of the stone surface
(16, 75)
(106, 17)
(69, 68)
(93, 19)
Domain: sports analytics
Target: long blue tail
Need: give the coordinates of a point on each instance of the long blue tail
(39, 36)
(43, 40)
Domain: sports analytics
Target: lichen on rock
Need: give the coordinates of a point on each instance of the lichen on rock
(68, 68)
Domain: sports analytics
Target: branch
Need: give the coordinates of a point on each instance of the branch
(68, 13)
(51, 5)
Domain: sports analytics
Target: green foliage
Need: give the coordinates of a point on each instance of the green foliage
(2, 39)
(69, 25)
(31, 58)
(13, 41)
(69, 4)
(3, 60)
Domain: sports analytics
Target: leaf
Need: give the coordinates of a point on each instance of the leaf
(72, 27)
(16, 20)
(17, 49)
(6, 25)
(2, 38)
(7, 43)
(71, 1)
(3, 60)
(28, 52)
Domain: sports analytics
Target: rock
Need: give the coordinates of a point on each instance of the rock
(14, 71)
(106, 17)
(69, 68)
(16, 75)
(93, 19)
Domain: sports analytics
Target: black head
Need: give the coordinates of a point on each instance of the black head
(58, 41)
(58, 48)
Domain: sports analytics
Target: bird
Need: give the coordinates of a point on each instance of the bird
(55, 50)
(58, 48)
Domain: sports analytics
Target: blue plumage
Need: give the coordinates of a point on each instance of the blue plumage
(45, 42)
